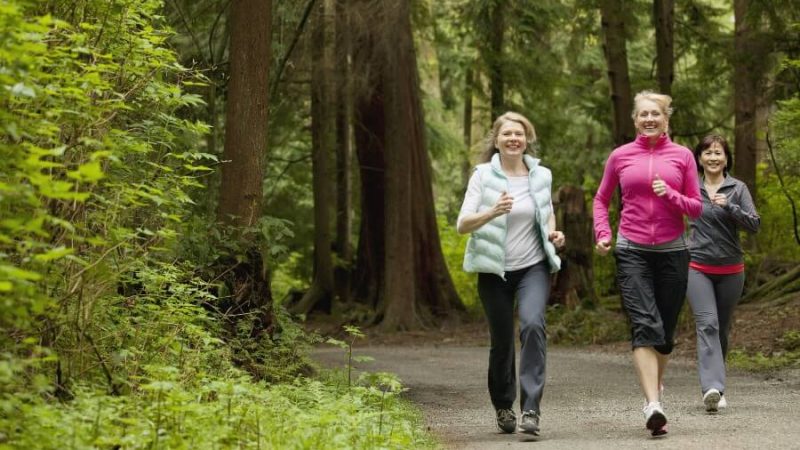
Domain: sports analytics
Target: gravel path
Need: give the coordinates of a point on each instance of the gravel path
(591, 400)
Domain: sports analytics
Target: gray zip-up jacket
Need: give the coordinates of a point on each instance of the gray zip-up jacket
(714, 236)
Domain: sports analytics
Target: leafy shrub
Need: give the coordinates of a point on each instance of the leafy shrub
(453, 247)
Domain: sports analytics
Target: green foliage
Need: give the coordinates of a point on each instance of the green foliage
(453, 247)
(584, 326)
(210, 412)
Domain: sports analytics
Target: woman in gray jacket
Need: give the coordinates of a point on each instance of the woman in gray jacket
(716, 270)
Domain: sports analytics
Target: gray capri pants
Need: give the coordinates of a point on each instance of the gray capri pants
(713, 299)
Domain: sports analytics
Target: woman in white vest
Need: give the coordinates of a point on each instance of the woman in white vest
(509, 212)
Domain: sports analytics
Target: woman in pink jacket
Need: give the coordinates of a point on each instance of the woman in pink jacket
(659, 185)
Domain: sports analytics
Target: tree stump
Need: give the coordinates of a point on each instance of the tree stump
(574, 283)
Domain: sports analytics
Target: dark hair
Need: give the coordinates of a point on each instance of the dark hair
(707, 142)
(530, 135)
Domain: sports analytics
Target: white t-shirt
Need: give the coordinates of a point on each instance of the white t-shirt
(523, 245)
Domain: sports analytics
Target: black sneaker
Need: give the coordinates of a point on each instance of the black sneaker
(530, 422)
(506, 420)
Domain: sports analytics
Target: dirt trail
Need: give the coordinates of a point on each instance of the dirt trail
(591, 401)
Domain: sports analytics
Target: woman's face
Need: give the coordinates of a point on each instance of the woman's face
(713, 159)
(650, 120)
(511, 139)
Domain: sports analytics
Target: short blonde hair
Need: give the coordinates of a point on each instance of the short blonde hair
(662, 100)
(510, 116)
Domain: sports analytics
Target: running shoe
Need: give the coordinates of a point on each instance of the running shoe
(711, 399)
(530, 422)
(506, 420)
(654, 417)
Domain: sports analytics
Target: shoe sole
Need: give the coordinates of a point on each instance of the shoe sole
(659, 432)
(532, 431)
(711, 400)
(656, 422)
(504, 431)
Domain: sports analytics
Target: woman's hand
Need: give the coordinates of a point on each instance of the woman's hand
(603, 247)
(503, 205)
(659, 186)
(557, 238)
(719, 200)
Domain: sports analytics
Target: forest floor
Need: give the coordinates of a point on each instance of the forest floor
(592, 399)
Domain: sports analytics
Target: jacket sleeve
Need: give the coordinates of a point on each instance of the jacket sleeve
(743, 210)
(602, 230)
(688, 200)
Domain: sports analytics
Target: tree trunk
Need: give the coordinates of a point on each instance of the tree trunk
(495, 58)
(574, 283)
(344, 154)
(664, 18)
(398, 310)
(246, 147)
(745, 82)
(323, 121)
(413, 285)
(369, 137)
(613, 24)
(467, 126)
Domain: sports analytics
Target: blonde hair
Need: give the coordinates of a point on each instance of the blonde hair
(510, 116)
(662, 100)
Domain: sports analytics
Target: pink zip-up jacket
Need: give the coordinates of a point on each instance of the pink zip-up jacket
(648, 219)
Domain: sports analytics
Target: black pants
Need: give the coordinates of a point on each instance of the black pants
(531, 288)
(653, 289)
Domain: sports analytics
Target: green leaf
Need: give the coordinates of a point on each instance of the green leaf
(56, 253)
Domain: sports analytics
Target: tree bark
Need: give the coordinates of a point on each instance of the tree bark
(745, 82)
(245, 149)
(574, 283)
(369, 129)
(412, 287)
(399, 307)
(664, 18)
(495, 58)
(319, 297)
(613, 25)
(344, 153)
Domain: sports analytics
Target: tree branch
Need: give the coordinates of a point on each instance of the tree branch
(300, 27)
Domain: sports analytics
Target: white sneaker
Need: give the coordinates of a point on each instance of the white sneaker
(654, 417)
(711, 399)
(722, 402)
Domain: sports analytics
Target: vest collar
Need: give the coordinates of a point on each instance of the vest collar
(529, 160)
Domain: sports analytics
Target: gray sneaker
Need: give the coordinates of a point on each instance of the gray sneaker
(506, 420)
(530, 422)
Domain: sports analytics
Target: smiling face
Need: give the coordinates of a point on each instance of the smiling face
(650, 119)
(713, 159)
(511, 139)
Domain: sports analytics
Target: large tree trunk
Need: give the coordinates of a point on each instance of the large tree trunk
(664, 18)
(319, 297)
(399, 303)
(745, 86)
(613, 25)
(411, 283)
(344, 153)
(245, 149)
(369, 127)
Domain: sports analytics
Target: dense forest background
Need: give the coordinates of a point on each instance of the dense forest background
(182, 183)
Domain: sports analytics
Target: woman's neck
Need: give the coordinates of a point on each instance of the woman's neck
(513, 166)
(714, 179)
